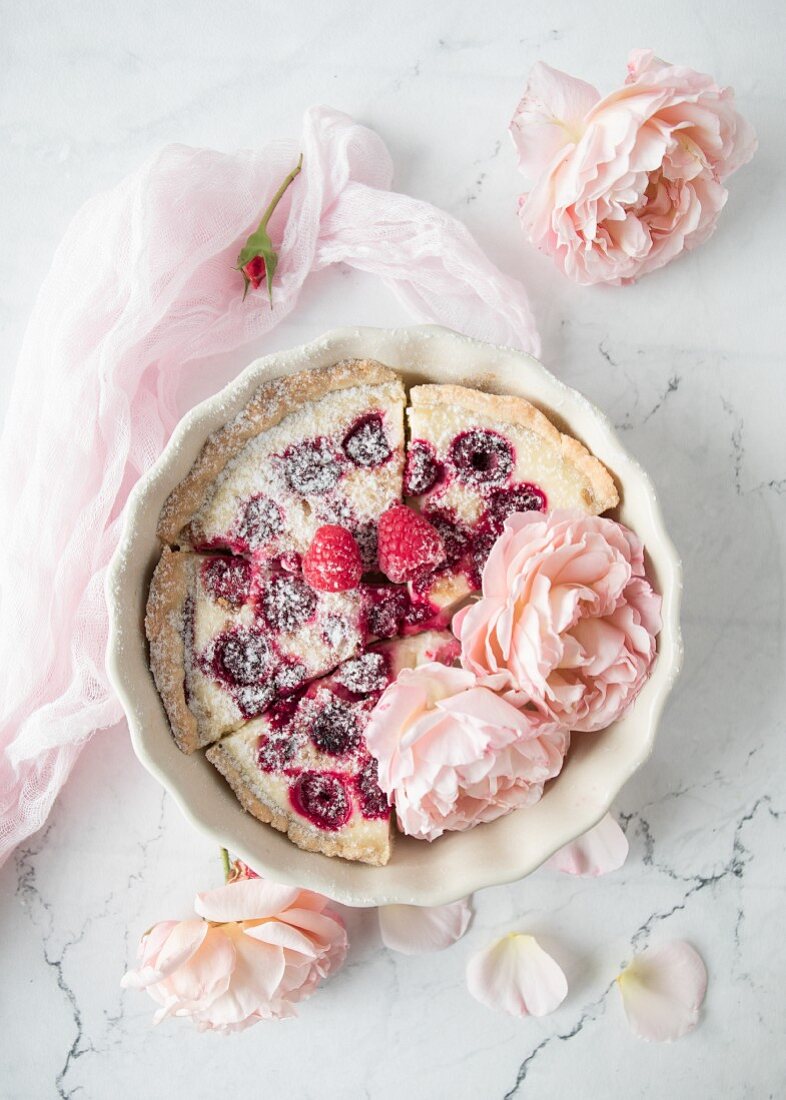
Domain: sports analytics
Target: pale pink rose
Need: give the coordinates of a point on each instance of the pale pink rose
(258, 950)
(622, 185)
(566, 621)
(453, 753)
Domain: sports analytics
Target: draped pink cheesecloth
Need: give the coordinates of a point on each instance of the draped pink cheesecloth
(141, 287)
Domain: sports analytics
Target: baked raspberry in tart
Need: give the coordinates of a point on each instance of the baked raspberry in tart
(304, 767)
(320, 447)
(475, 458)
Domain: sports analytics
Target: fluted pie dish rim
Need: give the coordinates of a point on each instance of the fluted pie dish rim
(419, 873)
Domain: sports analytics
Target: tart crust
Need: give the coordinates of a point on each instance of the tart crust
(164, 628)
(270, 404)
(519, 411)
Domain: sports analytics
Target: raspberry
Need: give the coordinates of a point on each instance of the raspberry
(311, 468)
(482, 458)
(258, 522)
(243, 656)
(288, 603)
(323, 797)
(252, 699)
(366, 538)
(407, 543)
(332, 562)
(519, 498)
(227, 579)
(373, 800)
(387, 607)
(422, 470)
(365, 443)
(275, 752)
(335, 729)
(364, 674)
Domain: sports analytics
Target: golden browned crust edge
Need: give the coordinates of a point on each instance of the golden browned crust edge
(308, 840)
(519, 411)
(166, 599)
(270, 404)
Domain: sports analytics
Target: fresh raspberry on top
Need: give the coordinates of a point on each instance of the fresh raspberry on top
(407, 543)
(332, 562)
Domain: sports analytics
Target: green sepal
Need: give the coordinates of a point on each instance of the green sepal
(259, 244)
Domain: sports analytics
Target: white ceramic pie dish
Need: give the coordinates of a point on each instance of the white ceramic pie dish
(458, 863)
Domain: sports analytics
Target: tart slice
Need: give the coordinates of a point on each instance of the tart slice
(318, 447)
(228, 636)
(473, 459)
(305, 768)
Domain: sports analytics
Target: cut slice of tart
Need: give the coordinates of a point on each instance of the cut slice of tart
(230, 635)
(473, 459)
(304, 767)
(317, 447)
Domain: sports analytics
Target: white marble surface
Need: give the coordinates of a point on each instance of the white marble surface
(690, 365)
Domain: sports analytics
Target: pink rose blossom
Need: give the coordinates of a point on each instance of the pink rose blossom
(622, 185)
(258, 949)
(453, 753)
(566, 621)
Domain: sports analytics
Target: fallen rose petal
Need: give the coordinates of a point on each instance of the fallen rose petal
(602, 849)
(515, 975)
(415, 929)
(663, 990)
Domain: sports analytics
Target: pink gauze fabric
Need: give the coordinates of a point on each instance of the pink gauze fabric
(140, 288)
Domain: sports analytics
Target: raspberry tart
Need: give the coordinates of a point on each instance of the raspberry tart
(305, 768)
(475, 458)
(311, 553)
